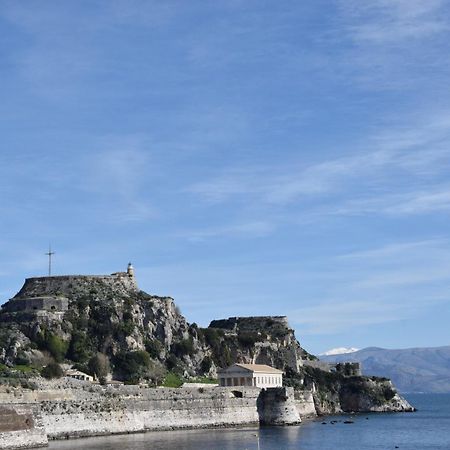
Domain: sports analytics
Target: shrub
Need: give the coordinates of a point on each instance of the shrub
(57, 347)
(172, 380)
(184, 347)
(99, 366)
(248, 338)
(206, 364)
(53, 344)
(212, 337)
(79, 347)
(153, 348)
(21, 360)
(133, 366)
(53, 370)
(173, 363)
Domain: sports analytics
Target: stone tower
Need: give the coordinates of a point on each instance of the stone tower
(130, 270)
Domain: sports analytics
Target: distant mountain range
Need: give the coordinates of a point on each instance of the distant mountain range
(411, 369)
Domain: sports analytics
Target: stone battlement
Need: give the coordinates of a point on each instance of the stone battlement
(68, 285)
(53, 304)
(250, 323)
(53, 293)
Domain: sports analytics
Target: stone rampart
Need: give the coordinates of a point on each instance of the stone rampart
(51, 304)
(124, 410)
(276, 406)
(90, 410)
(249, 323)
(21, 426)
(304, 402)
(69, 285)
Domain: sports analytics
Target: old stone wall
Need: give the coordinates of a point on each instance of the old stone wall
(125, 410)
(276, 406)
(37, 303)
(80, 409)
(21, 426)
(249, 323)
(69, 285)
(304, 402)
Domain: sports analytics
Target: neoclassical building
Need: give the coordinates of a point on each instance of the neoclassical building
(257, 375)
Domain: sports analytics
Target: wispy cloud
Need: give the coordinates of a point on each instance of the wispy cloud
(240, 230)
(392, 282)
(392, 44)
(385, 21)
(119, 173)
(397, 249)
(435, 199)
(344, 316)
(420, 151)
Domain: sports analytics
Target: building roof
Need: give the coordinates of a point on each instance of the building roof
(72, 372)
(259, 368)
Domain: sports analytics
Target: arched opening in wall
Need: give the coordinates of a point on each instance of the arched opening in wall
(236, 394)
(53, 307)
(34, 307)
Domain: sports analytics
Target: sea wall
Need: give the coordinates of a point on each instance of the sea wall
(276, 406)
(304, 402)
(131, 410)
(21, 426)
(79, 409)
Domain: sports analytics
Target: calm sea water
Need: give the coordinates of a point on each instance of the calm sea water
(428, 428)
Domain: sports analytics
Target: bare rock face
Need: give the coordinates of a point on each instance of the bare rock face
(336, 392)
(88, 314)
(260, 340)
(372, 395)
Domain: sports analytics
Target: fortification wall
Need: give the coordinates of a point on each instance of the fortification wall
(69, 285)
(90, 410)
(276, 406)
(21, 426)
(304, 402)
(57, 304)
(249, 323)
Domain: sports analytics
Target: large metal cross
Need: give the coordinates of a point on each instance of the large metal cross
(50, 254)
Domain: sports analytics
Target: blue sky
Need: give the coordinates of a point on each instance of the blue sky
(249, 157)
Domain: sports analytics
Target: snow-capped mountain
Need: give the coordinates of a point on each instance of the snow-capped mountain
(339, 351)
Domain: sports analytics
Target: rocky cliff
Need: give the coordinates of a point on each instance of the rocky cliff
(411, 369)
(107, 326)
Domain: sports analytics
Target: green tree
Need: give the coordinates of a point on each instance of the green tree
(133, 366)
(79, 347)
(99, 366)
(52, 370)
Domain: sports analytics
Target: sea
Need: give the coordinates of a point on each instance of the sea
(428, 428)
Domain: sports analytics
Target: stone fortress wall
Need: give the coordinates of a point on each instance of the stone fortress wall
(57, 304)
(50, 293)
(249, 323)
(347, 369)
(81, 409)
